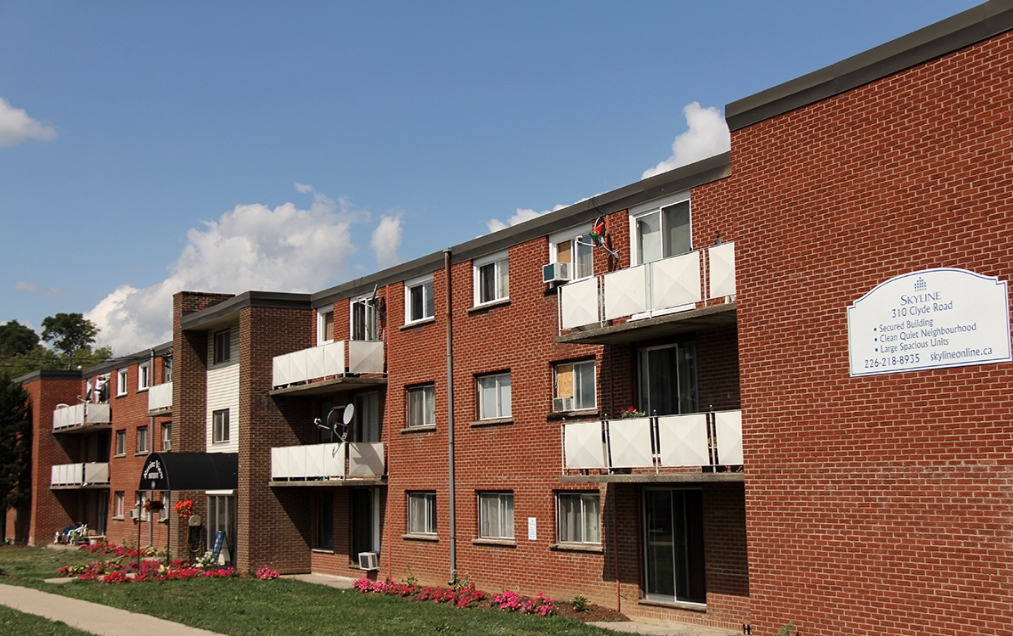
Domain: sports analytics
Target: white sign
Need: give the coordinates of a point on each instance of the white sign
(931, 319)
(532, 529)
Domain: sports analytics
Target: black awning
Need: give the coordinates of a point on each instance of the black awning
(190, 471)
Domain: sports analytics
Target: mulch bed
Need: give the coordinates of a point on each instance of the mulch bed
(592, 613)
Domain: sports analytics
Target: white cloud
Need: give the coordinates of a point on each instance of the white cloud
(16, 126)
(707, 136)
(32, 288)
(249, 247)
(386, 240)
(520, 216)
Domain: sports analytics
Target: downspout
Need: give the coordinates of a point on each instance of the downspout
(151, 444)
(450, 422)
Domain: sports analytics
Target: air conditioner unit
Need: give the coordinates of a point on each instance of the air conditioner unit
(368, 561)
(135, 513)
(556, 273)
(562, 404)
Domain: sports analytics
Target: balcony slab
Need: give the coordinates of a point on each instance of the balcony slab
(329, 483)
(326, 387)
(707, 318)
(657, 478)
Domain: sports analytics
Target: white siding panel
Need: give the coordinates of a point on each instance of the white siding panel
(223, 393)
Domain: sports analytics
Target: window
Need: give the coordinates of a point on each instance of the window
(422, 512)
(118, 504)
(579, 517)
(364, 324)
(366, 421)
(566, 247)
(496, 515)
(422, 405)
(141, 498)
(661, 230)
(365, 505)
(167, 369)
(220, 426)
(121, 443)
(142, 439)
(492, 278)
(121, 382)
(325, 520)
(494, 396)
(223, 346)
(674, 545)
(222, 518)
(167, 436)
(667, 378)
(418, 299)
(325, 325)
(575, 387)
(143, 376)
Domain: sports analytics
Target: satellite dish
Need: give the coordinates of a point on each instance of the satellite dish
(340, 419)
(349, 413)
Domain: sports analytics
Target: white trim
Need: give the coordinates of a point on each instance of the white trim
(121, 382)
(408, 286)
(655, 206)
(477, 264)
(351, 314)
(143, 376)
(321, 326)
(220, 493)
(570, 235)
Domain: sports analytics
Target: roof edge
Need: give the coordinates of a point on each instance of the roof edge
(226, 308)
(944, 37)
(49, 374)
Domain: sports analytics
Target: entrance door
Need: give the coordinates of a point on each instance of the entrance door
(222, 518)
(673, 542)
(365, 521)
(667, 378)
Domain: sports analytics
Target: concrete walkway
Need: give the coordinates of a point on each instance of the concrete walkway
(101, 620)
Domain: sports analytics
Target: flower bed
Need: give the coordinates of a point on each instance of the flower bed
(461, 596)
(139, 570)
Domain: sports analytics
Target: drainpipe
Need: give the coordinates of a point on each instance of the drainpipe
(450, 422)
(151, 442)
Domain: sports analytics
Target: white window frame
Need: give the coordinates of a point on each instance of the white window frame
(504, 395)
(372, 318)
(143, 376)
(428, 393)
(142, 498)
(119, 498)
(422, 513)
(579, 368)
(142, 436)
(120, 439)
(167, 436)
(655, 207)
(220, 422)
(499, 261)
(424, 282)
(571, 236)
(322, 313)
(227, 333)
(121, 382)
(503, 502)
(581, 533)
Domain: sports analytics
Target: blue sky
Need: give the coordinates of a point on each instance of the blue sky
(228, 146)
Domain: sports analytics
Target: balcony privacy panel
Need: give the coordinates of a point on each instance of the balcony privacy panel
(314, 461)
(365, 459)
(96, 473)
(309, 364)
(728, 428)
(67, 416)
(683, 440)
(722, 270)
(626, 292)
(98, 413)
(65, 474)
(630, 443)
(676, 281)
(365, 356)
(159, 397)
(280, 371)
(583, 447)
(579, 303)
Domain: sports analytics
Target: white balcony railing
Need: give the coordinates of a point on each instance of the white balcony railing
(321, 462)
(80, 414)
(327, 360)
(696, 439)
(160, 397)
(672, 284)
(87, 474)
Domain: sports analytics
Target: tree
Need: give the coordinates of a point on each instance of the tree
(15, 448)
(69, 334)
(16, 339)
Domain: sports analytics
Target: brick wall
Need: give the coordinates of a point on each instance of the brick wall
(878, 504)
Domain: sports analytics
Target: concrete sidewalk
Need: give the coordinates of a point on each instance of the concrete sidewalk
(91, 617)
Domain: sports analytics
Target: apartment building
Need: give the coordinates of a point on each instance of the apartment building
(92, 431)
(686, 398)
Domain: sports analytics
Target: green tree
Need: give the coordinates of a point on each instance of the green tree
(15, 448)
(16, 339)
(70, 334)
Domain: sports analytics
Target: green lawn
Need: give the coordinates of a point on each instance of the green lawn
(251, 606)
(14, 622)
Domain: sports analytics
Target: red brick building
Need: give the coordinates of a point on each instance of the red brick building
(653, 397)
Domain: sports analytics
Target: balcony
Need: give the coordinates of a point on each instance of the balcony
(88, 475)
(696, 440)
(70, 419)
(317, 370)
(663, 297)
(160, 398)
(327, 464)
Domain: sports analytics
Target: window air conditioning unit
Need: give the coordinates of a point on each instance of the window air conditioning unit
(135, 513)
(368, 561)
(562, 404)
(556, 273)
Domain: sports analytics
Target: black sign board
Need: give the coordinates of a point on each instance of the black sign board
(219, 542)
